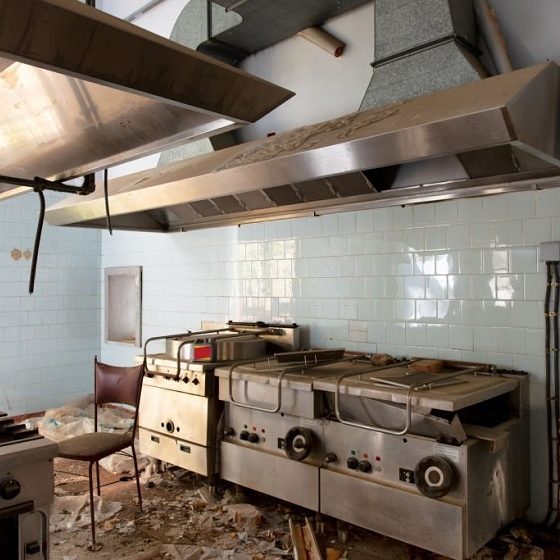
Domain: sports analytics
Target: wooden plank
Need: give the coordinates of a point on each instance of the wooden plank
(297, 541)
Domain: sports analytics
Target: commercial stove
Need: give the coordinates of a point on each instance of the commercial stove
(435, 459)
(179, 410)
(273, 427)
(26, 491)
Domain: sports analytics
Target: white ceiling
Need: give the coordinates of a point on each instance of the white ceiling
(531, 30)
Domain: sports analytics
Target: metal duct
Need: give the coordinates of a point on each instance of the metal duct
(422, 46)
(81, 91)
(484, 137)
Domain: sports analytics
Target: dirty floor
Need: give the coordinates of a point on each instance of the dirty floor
(181, 521)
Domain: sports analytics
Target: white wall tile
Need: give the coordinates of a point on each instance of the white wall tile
(436, 287)
(459, 287)
(416, 334)
(521, 205)
(404, 310)
(494, 208)
(437, 336)
(548, 202)
(470, 210)
(484, 235)
(523, 259)
(403, 217)
(483, 286)
(461, 337)
(446, 213)
(436, 238)
(496, 260)
(470, 261)
(424, 215)
(509, 233)
(426, 310)
(414, 287)
(459, 237)
(537, 231)
(486, 339)
(364, 221)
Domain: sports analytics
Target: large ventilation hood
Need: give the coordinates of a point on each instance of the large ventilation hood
(81, 90)
(483, 137)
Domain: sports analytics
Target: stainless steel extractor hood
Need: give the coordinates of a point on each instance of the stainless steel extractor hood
(81, 90)
(483, 137)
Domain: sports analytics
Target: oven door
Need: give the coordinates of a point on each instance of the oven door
(23, 532)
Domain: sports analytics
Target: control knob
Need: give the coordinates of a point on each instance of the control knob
(298, 443)
(195, 381)
(364, 466)
(253, 437)
(244, 435)
(9, 488)
(170, 426)
(434, 476)
(330, 458)
(352, 463)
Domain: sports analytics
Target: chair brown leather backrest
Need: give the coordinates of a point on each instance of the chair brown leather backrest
(115, 384)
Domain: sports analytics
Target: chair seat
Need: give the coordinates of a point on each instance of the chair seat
(93, 446)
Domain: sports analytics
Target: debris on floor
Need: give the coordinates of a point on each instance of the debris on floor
(72, 512)
(183, 520)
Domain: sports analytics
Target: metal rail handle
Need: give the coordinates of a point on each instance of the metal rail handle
(165, 337)
(411, 389)
(283, 372)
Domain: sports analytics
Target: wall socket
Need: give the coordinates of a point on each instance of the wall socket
(549, 251)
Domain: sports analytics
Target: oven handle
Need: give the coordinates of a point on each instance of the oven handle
(411, 389)
(252, 406)
(10, 511)
(178, 335)
(283, 373)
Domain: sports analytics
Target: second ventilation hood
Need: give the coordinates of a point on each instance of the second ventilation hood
(483, 137)
(82, 90)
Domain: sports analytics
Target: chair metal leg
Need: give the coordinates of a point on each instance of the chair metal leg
(97, 477)
(137, 476)
(92, 506)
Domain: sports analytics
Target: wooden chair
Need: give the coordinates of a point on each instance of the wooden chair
(113, 384)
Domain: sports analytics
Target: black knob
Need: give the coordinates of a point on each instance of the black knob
(330, 458)
(9, 489)
(244, 435)
(185, 379)
(253, 438)
(32, 548)
(195, 381)
(364, 466)
(229, 432)
(352, 463)
(169, 426)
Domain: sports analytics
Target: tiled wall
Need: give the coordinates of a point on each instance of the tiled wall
(457, 279)
(48, 339)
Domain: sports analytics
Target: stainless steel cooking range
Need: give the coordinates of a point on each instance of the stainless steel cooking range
(179, 409)
(26, 491)
(436, 459)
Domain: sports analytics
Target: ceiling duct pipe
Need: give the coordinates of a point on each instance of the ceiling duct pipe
(422, 46)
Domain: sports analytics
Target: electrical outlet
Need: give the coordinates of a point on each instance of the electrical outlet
(549, 251)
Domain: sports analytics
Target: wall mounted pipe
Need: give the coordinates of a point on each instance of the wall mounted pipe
(318, 36)
(493, 36)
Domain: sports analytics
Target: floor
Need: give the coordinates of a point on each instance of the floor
(182, 521)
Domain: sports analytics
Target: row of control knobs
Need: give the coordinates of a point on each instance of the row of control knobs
(362, 466)
(251, 437)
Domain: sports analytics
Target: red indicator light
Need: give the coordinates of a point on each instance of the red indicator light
(378, 458)
(202, 352)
